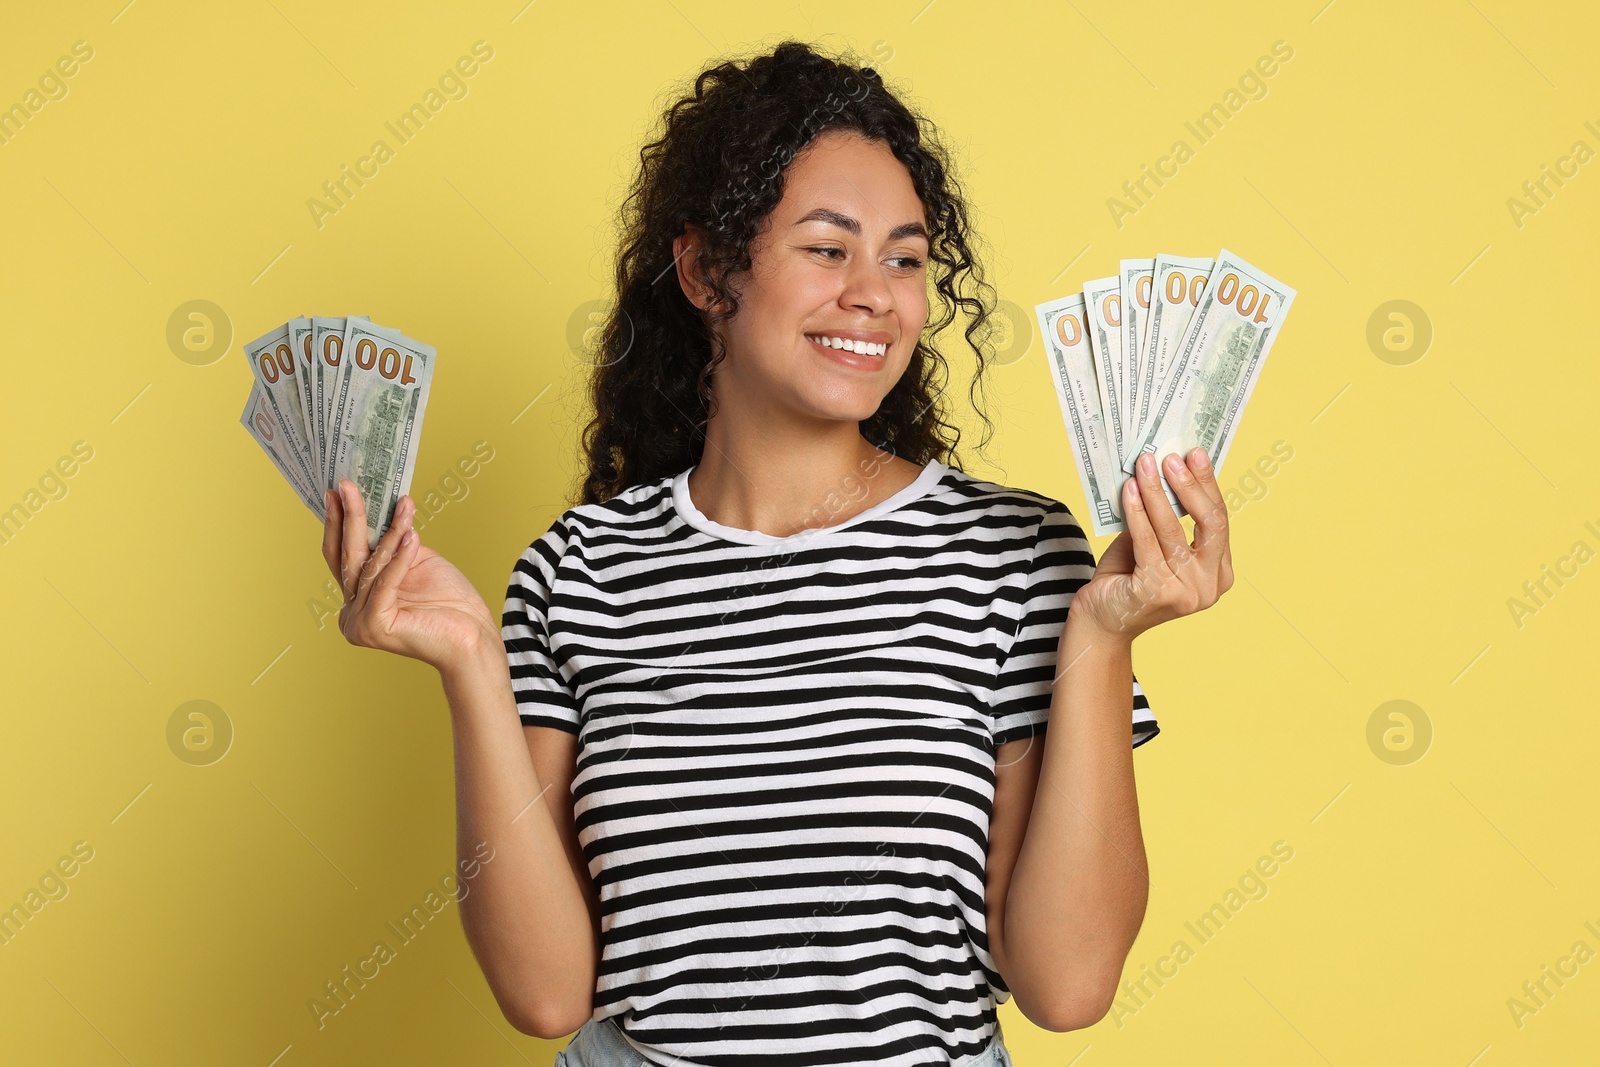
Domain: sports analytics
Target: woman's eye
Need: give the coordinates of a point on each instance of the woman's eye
(900, 262)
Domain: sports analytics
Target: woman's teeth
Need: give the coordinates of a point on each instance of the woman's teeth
(865, 348)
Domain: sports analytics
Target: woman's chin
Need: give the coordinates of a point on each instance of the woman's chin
(845, 407)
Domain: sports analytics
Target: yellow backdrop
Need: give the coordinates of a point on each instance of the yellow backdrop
(1336, 878)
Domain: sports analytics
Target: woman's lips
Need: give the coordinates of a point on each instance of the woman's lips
(850, 359)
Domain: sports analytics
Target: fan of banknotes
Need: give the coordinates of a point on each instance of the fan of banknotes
(340, 397)
(1158, 358)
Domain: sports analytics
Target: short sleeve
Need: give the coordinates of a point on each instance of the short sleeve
(544, 698)
(1062, 563)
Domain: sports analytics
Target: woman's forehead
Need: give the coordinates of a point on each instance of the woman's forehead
(844, 176)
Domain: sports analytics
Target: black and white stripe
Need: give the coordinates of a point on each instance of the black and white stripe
(786, 757)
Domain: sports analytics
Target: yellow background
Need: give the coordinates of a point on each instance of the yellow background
(1376, 567)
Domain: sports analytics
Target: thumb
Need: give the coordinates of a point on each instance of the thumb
(1118, 558)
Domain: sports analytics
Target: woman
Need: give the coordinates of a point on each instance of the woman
(759, 738)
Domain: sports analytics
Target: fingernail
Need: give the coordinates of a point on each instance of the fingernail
(327, 500)
(1176, 469)
(1202, 461)
(1146, 463)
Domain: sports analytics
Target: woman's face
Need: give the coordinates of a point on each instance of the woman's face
(842, 258)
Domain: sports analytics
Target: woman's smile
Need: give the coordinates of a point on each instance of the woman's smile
(862, 349)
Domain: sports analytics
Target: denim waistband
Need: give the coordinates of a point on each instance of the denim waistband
(599, 1043)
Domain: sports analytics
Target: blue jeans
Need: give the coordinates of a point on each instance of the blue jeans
(599, 1043)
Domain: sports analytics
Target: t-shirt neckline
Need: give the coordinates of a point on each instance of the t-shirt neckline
(920, 486)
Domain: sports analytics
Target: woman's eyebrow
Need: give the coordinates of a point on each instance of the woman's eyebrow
(845, 222)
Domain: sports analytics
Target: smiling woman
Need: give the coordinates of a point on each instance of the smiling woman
(760, 735)
(879, 190)
(824, 283)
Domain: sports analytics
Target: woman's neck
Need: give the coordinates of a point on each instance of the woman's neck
(781, 488)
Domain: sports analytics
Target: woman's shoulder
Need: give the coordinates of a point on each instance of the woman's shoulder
(969, 491)
(631, 512)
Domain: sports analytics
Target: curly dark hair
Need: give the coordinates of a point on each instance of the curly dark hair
(719, 163)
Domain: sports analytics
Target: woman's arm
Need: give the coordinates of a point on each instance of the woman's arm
(527, 908)
(1078, 890)
(530, 915)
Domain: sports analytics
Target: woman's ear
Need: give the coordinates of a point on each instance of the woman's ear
(686, 258)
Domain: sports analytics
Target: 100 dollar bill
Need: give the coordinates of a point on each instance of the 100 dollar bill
(381, 396)
(1135, 283)
(1176, 285)
(327, 345)
(264, 425)
(1066, 342)
(1223, 350)
(1102, 309)
(1063, 325)
(299, 331)
(273, 363)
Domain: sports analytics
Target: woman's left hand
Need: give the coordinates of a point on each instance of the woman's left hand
(1151, 573)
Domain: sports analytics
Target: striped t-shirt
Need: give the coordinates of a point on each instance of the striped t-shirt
(786, 757)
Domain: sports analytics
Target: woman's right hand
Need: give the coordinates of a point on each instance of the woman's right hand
(400, 597)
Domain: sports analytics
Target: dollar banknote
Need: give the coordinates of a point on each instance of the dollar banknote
(273, 363)
(260, 418)
(299, 330)
(1102, 300)
(1062, 324)
(1135, 276)
(327, 341)
(379, 403)
(336, 397)
(1158, 358)
(1176, 286)
(1218, 362)
(1072, 369)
